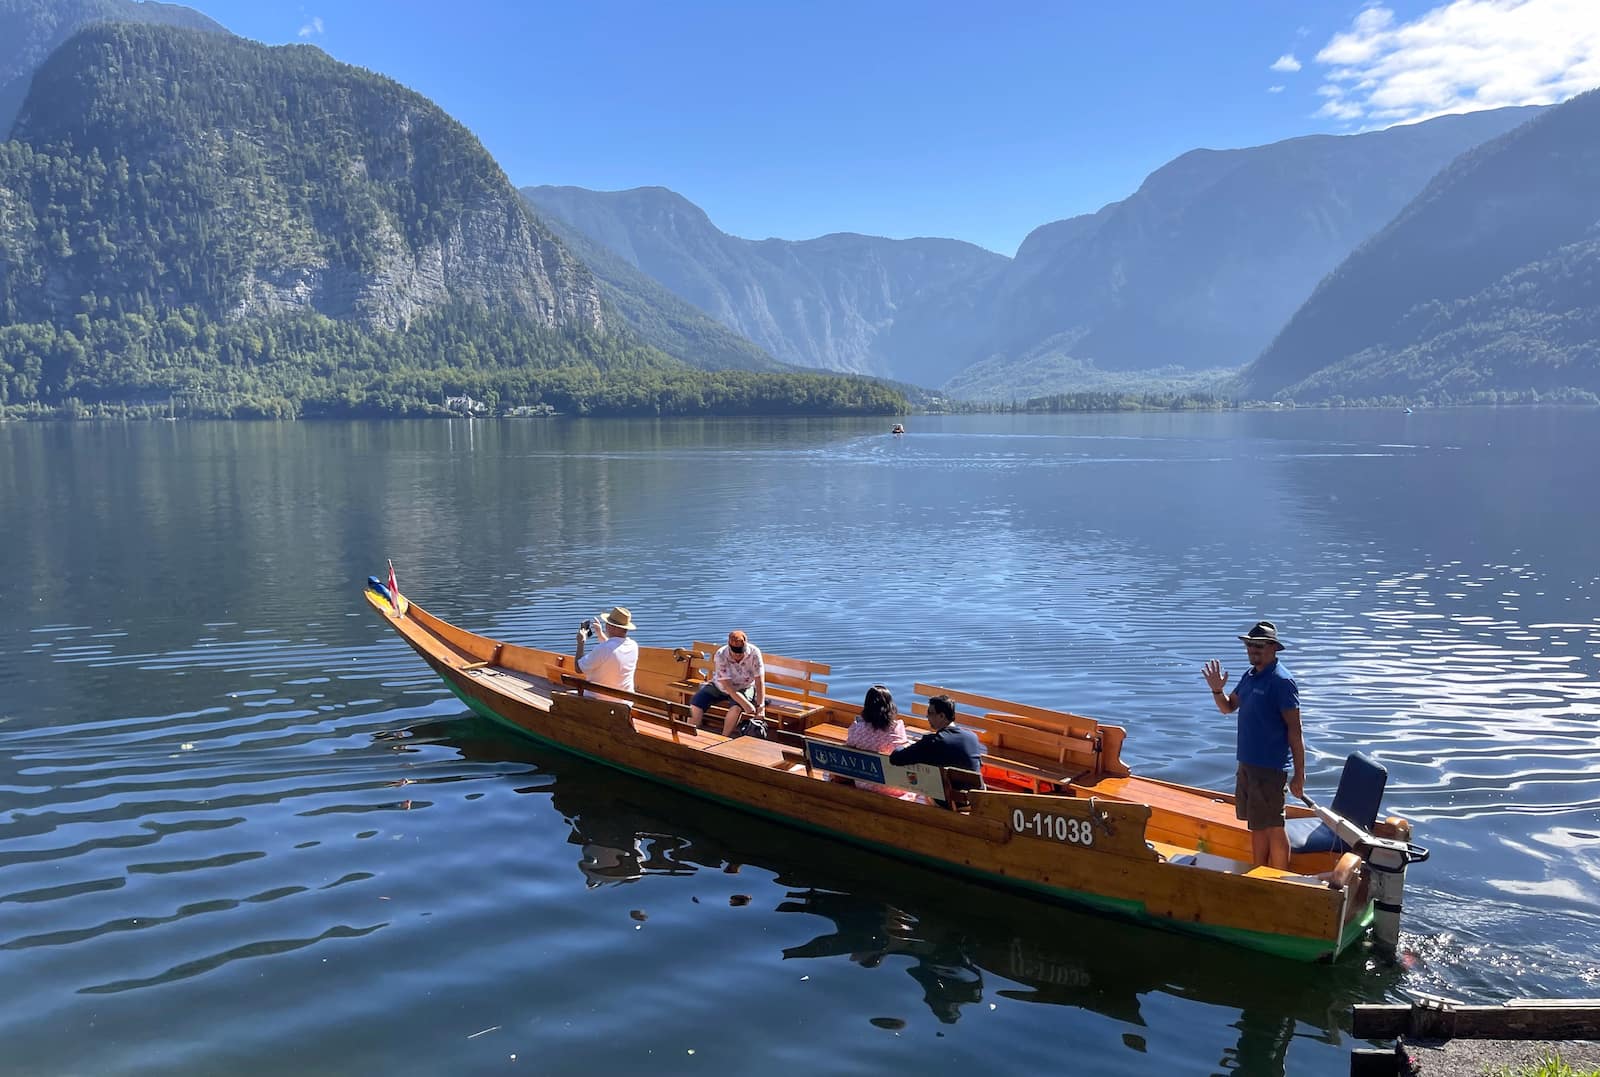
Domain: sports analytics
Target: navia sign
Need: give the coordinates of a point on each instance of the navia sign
(873, 767)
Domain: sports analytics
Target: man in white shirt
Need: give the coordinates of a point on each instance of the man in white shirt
(615, 657)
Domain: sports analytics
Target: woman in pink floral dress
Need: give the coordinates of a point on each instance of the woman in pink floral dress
(879, 729)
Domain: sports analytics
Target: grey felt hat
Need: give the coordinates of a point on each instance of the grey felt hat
(1264, 632)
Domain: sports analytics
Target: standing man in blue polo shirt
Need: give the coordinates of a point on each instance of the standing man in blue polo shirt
(1268, 704)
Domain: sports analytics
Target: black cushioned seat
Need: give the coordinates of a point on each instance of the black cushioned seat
(1360, 792)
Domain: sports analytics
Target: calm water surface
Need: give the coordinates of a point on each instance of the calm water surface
(241, 829)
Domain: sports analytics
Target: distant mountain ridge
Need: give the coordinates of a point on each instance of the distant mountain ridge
(1489, 281)
(31, 29)
(659, 317)
(1194, 272)
(836, 302)
(1206, 261)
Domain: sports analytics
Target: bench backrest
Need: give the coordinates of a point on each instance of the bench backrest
(653, 709)
(858, 764)
(788, 678)
(1003, 726)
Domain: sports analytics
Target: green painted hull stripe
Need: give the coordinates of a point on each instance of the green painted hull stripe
(1290, 946)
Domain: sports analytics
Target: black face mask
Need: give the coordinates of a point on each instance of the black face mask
(736, 650)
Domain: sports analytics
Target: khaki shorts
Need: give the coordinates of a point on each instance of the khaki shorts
(1258, 796)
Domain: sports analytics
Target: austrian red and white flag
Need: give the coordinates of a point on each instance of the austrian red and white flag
(394, 591)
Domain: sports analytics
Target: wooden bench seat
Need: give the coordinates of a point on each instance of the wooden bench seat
(1211, 808)
(671, 715)
(794, 690)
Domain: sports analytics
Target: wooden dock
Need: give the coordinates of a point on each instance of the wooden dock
(1443, 1036)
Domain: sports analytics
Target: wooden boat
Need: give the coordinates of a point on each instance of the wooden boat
(1058, 815)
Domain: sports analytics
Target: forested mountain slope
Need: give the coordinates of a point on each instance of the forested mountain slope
(31, 29)
(278, 233)
(1485, 283)
(154, 167)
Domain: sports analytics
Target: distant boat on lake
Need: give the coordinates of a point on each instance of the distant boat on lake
(897, 429)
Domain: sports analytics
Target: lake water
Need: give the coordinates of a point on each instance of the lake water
(243, 830)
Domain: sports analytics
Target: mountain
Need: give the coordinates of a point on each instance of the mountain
(841, 302)
(1207, 260)
(194, 223)
(31, 29)
(1487, 283)
(153, 168)
(1178, 284)
(658, 316)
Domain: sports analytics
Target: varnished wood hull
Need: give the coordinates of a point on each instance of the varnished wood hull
(1118, 872)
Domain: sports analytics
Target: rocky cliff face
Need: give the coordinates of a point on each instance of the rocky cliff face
(491, 254)
(168, 168)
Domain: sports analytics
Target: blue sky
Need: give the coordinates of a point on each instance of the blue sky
(936, 119)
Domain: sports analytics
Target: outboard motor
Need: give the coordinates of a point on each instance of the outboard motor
(1387, 860)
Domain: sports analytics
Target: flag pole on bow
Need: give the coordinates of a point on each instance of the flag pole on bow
(394, 592)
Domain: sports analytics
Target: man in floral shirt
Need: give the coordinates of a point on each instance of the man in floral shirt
(738, 678)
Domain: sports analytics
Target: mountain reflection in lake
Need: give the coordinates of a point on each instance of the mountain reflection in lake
(242, 827)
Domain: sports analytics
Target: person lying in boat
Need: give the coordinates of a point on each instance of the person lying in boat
(615, 657)
(949, 745)
(1268, 703)
(738, 678)
(878, 728)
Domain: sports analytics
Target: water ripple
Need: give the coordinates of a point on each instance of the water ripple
(236, 785)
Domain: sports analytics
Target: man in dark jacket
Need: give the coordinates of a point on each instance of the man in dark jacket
(948, 745)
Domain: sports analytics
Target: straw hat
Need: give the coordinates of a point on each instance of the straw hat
(620, 617)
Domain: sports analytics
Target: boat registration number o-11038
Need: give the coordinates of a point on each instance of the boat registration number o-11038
(1059, 827)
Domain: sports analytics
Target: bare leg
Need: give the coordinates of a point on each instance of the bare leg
(735, 712)
(1260, 846)
(697, 715)
(1277, 847)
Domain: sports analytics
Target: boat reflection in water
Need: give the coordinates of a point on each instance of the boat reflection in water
(1076, 960)
(959, 941)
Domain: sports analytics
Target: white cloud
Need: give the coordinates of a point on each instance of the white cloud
(1274, 89)
(312, 27)
(1461, 56)
(1286, 62)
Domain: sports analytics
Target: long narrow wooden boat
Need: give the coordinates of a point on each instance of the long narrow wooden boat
(1059, 816)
